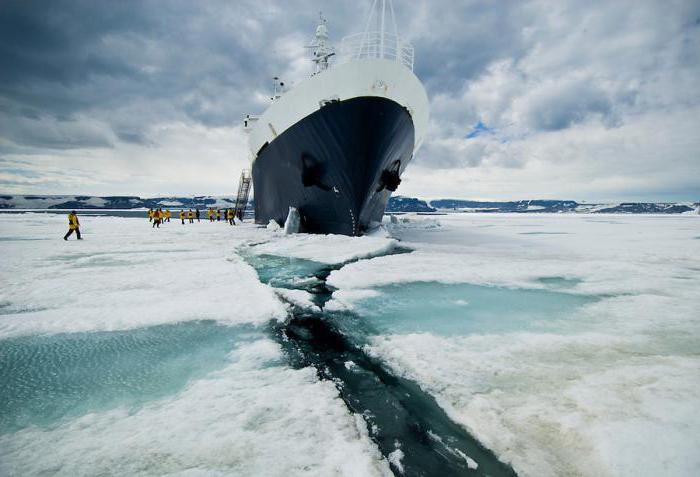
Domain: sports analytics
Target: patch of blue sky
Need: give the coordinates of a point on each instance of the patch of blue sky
(479, 129)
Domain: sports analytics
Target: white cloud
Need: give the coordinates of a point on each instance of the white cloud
(639, 160)
(601, 103)
(581, 99)
(190, 159)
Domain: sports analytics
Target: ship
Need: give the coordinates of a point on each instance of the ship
(333, 148)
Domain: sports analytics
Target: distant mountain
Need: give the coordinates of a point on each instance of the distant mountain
(407, 204)
(559, 206)
(397, 204)
(512, 206)
(641, 208)
(110, 202)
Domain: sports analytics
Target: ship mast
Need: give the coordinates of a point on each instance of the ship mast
(378, 13)
(321, 47)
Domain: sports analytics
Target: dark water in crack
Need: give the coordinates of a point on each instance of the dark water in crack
(398, 414)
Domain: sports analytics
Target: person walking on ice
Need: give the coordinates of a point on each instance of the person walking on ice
(73, 225)
(210, 212)
(196, 214)
(182, 216)
(229, 216)
(190, 215)
(167, 215)
(157, 215)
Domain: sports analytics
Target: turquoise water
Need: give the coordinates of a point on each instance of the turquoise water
(438, 308)
(461, 309)
(396, 411)
(47, 378)
(284, 272)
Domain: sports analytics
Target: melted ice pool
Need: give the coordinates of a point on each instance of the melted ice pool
(49, 377)
(461, 309)
(284, 272)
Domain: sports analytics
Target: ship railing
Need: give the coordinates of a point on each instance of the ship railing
(375, 44)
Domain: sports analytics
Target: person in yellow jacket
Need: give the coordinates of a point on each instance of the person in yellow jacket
(150, 215)
(229, 216)
(190, 215)
(157, 216)
(73, 225)
(210, 214)
(218, 214)
(167, 215)
(182, 216)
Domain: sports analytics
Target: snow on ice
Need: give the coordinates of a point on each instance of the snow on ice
(329, 249)
(567, 344)
(123, 275)
(253, 416)
(610, 387)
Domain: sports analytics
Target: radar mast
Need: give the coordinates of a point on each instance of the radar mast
(321, 46)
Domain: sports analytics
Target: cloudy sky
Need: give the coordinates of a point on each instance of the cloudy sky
(585, 100)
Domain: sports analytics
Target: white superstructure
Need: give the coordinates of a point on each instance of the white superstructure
(375, 62)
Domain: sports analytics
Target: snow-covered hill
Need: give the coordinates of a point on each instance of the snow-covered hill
(558, 206)
(110, 202)
(407, 204)
(396, 204)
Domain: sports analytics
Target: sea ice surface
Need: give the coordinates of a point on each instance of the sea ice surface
(125, 275)
(567, 344)
(146, 352)
(569, 351)
(459, 309)
(48, 377)
(329, 249)
(254, 416)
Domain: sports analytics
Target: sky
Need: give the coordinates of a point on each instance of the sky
(588, 101)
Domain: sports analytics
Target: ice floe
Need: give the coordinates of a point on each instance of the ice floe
(124, 275)
(329, 249)
(607, 388)
(255, 416)
(299, 298)
(567, 344)
(124, 357)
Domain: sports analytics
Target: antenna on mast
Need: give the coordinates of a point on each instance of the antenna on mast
(322, 48)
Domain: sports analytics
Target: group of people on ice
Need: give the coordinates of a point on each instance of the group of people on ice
(228, 215)
(159, 216)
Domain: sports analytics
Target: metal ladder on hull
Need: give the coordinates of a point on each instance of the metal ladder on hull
(243, 192)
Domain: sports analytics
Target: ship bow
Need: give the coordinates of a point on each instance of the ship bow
(337, 166)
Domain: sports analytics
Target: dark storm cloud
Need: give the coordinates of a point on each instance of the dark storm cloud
(133, 64)
(455, 41)
(54, 41)
(51, 51)
(134, 137)
(566, 104)
(111, 75)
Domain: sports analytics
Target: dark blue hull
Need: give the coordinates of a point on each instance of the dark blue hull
(337, 166)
